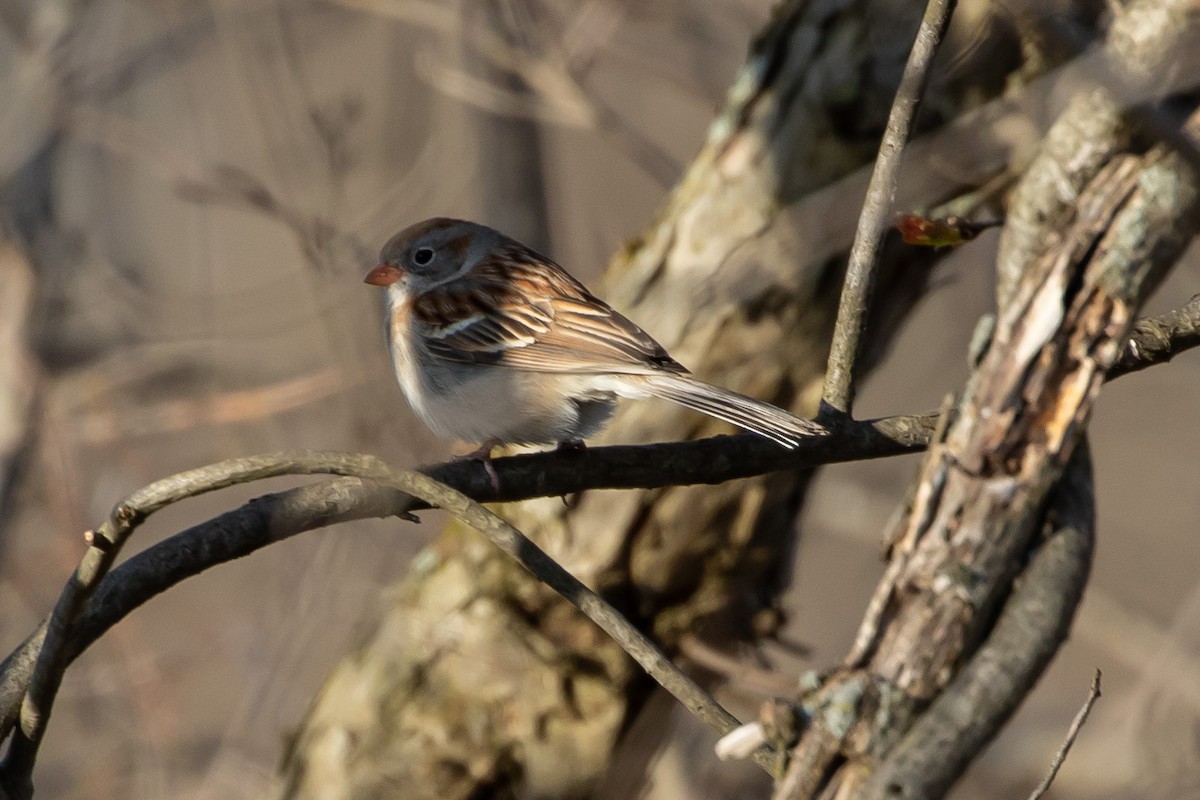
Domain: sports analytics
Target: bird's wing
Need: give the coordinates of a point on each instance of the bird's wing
(521, 310)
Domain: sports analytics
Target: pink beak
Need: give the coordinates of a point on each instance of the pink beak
(384, 275)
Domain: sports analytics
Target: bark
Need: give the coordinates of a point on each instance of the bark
(479, 682)
(1032, 626)
(1158, 339)
(1064, 322)
(1141, 45)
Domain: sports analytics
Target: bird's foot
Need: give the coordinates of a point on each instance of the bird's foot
(571, 447)
(483, 454)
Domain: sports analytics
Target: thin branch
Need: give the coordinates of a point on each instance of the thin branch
(1076, 726)
(1156, 340)
(876, 213)
(505, 536)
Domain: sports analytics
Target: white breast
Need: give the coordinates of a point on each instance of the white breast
(404, 356)
(480, 403)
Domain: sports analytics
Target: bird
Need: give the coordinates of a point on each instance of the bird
(494, 343)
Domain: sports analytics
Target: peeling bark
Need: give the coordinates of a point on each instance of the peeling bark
(980, 495)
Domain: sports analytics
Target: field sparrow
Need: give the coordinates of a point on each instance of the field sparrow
(494, 343)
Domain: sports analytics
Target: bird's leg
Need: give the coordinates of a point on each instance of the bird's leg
(483, 454)
(571, 447)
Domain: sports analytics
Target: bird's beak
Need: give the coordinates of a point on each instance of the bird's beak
(383, 275)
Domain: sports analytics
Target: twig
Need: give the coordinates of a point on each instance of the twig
(1156, 340)
(1076, 725)
(875, 217)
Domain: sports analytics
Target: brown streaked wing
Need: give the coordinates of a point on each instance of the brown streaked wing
(525, 311)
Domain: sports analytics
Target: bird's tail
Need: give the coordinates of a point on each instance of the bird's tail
(754, 415)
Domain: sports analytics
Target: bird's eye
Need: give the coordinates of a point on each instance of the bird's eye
(422, 256)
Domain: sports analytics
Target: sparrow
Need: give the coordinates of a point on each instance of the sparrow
(494, 343)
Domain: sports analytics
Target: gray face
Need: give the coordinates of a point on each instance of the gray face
(436, 250)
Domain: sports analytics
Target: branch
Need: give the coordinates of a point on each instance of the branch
(288, 513)
(875, 218)
(1129, 69)
(510, 540)
(1138, 50)
(128, 515)
(1032, 625)
(1156, 340)
(1076, 726)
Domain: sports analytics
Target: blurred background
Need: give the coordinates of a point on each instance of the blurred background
(191, 194)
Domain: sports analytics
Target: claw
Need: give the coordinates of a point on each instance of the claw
(483, 454)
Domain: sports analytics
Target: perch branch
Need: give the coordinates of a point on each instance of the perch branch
(29, 677)
(875, 219)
